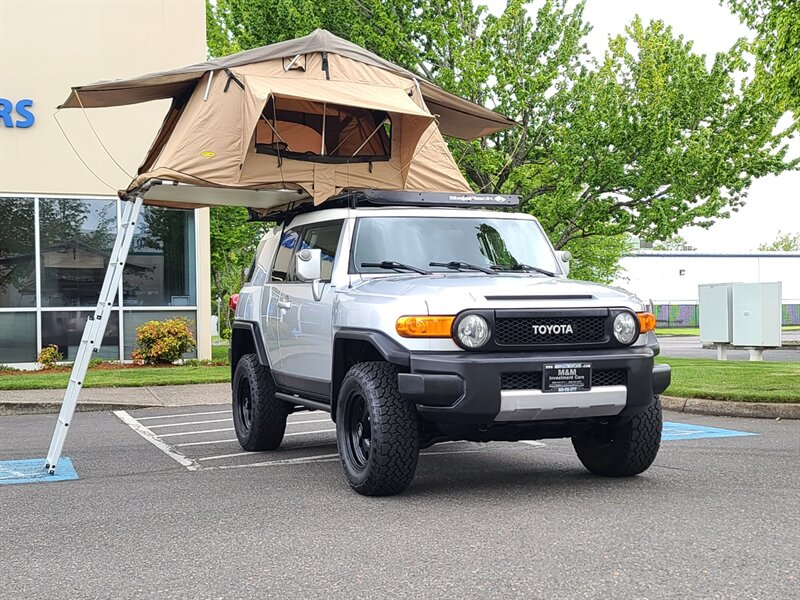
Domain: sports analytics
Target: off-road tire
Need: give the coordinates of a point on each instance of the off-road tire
(624, 450)
(259, 418)
(369, 391)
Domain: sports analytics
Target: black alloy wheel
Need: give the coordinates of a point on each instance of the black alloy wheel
(377, 431)
(259, 418)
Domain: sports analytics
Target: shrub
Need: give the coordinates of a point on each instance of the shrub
(7, 368)
(49, 356)
(163, 341)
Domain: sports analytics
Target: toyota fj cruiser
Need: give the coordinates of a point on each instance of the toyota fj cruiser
(418, 318)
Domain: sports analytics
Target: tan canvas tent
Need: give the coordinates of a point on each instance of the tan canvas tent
(301, 119)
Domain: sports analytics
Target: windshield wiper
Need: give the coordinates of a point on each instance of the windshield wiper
(397, 266)
(457, 264)
(521, 267)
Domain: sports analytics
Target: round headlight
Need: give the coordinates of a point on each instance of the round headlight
(473, 331)
(625, 328)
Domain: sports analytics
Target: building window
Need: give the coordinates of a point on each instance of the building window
(76, 237)
(17, 253)
(17, 337)
(160, 270)
(65, 329)
(50, 285)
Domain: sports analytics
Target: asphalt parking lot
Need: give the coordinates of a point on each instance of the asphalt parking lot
(167, 506)
(691, 347)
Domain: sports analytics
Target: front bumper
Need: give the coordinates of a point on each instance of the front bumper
(465, 387)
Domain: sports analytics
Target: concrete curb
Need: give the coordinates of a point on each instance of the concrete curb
(724, 408)
(44, 408)
(27, 402)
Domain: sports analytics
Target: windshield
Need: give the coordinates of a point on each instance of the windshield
(420, 241)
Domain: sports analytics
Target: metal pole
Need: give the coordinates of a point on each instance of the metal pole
(95, 329)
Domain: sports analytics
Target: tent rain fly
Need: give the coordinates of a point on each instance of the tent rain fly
(302, 119)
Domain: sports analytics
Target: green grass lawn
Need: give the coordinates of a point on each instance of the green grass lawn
(733, 380)
(220, 353)
(130, 377)
(696, 330)
(691, 378)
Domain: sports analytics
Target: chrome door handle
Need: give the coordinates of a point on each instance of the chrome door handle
(282, 304)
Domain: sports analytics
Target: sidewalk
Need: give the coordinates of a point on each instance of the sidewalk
(49, 401)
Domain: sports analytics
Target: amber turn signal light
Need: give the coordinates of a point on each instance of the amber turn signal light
(647, 322)
(425, 326)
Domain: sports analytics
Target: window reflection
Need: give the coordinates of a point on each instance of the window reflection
(76, 241)
(160, 270)
(65, 329)
(17, 337)
(17, 253)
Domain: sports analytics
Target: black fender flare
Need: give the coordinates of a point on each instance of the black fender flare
(246, 338)
(384, 346)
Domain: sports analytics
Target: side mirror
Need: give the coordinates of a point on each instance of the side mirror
(309, 264)
(565, 256)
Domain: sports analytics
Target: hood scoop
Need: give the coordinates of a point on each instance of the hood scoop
(543, 297)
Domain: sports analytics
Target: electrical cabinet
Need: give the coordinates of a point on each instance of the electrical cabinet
(757, 314)
(716, 318)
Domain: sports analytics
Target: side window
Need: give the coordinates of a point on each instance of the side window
(283, 258)
(324, 236)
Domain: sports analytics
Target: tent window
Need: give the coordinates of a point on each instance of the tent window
(317, 132)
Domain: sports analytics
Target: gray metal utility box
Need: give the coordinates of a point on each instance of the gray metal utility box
(757, 314)
(716, 316)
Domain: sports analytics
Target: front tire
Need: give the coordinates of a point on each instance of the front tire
(377, 431)
(624, 450)
(259, 418)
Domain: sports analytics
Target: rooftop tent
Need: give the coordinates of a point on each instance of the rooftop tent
(298, 120)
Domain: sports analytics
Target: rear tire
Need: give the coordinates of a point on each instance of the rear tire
(259, 418)
(377, 431)
(624, 450)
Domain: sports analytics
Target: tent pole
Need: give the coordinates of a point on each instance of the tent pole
(95, 328)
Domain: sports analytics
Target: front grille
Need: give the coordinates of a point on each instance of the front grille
(521, 331)
(532, 380)
(521, 381)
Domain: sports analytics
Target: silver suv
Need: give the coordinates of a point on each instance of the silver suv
(414, 319)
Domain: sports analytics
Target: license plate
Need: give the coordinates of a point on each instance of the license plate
(567, 377)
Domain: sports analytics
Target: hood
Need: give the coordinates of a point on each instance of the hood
(450, 293)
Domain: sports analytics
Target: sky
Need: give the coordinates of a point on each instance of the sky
(773, 203)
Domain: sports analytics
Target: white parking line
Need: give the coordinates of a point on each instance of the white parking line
(221, 456)
(309, 421)
(153, 439)
(190, 423)
(212, 412)
(194, 432)
(288, 461)
(308, 432)
(206, 443)
(235, 440)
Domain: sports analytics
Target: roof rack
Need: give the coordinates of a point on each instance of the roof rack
(452, 199)
(366, 198)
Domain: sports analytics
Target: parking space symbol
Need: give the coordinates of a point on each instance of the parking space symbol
(685, 431)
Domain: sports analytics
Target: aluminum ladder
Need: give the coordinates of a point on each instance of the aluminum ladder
(95, 327)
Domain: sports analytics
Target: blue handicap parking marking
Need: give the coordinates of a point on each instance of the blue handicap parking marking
(684, 431)
(32, 470)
